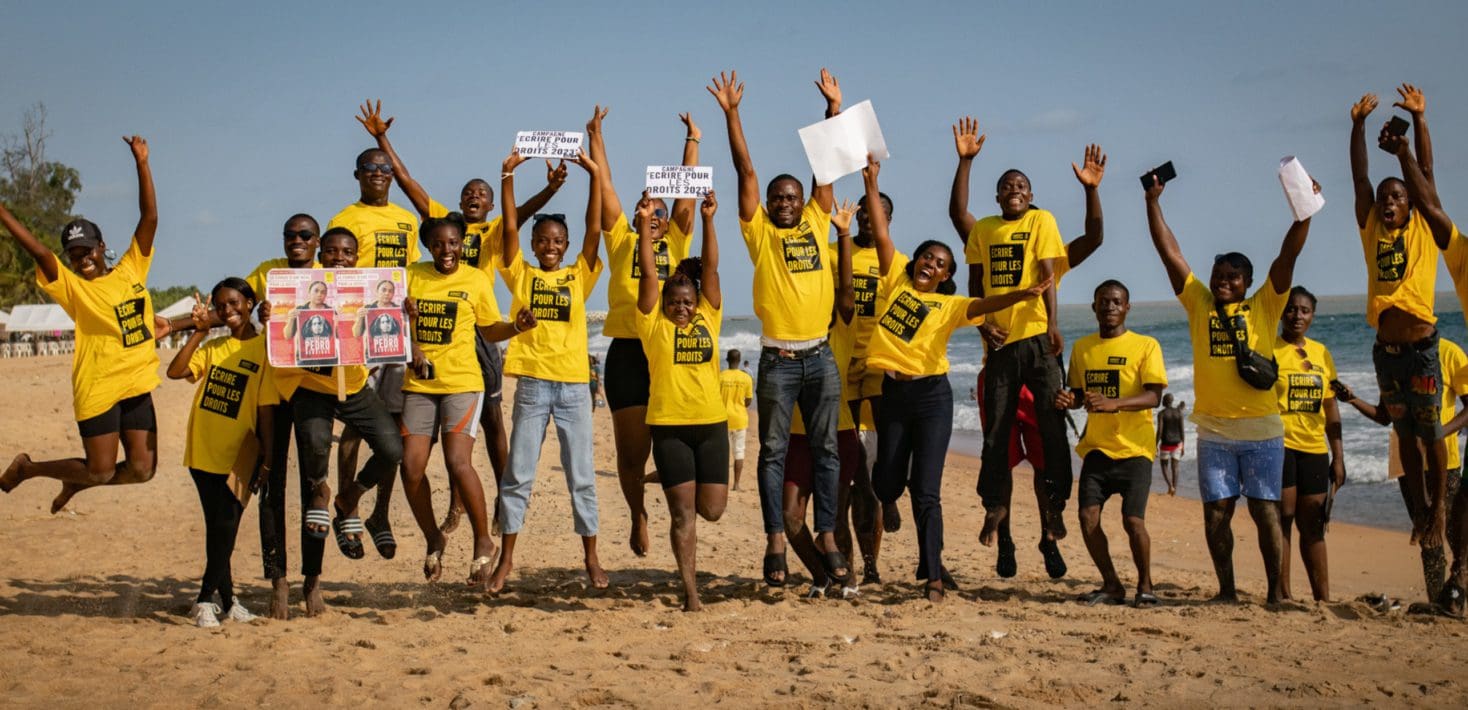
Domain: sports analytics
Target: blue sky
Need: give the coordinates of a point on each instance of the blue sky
(248, 108)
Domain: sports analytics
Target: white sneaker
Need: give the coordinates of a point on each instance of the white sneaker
(238, 612)
(205, 615)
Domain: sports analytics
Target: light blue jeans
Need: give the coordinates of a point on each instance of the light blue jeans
(1228, 467)
(537, 402)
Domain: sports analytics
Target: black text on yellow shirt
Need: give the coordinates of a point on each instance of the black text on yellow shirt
(224, 389)
(660, 259)
(1304, 393)
(435, 322)
(551, 301)
(802, 250)
(1391, 259)
(695, 346)
(392, 246)
(905, 314)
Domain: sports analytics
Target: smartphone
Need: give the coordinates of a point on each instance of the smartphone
(1164, 172)
(1397, 126)
(426, 372)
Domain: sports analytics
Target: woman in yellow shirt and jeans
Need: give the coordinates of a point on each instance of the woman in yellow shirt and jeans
(678, 324)
(115, 367)
(917, 312)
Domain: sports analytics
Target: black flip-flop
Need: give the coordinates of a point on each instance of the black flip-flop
(833, 560)
(1097, 596)
(345, 526)
(1054, 563)
(1146, 600)
(382, 539)
(1007, 566)
(775, 562)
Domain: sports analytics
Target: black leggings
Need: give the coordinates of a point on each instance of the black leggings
(221, 522)
(913, 432)
(686, 453)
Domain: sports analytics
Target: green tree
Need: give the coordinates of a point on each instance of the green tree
(40, 193)
(165, 297)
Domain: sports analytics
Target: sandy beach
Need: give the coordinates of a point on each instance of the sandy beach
(94, 602)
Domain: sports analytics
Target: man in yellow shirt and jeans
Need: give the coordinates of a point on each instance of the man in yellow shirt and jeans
(737, 389)
(794, 293)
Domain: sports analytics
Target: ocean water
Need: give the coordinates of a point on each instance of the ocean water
(1340, 324)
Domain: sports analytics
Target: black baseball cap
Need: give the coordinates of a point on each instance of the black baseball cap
(80, 233)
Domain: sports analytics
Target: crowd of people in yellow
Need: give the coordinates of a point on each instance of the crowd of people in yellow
(852, 331)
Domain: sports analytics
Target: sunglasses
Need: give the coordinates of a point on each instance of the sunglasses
(369, 168)
(1304, 359)
(304, 235)
(554, 217)
(660, 213)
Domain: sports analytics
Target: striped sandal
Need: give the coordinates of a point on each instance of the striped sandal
(317, 521)
(382, 539)
(344, 527)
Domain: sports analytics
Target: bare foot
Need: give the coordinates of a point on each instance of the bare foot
(891, 518)
(501, 573)
(992, 518)
(12, 477)
(433, 561)
(67, 491)
(1172, 491)
(1054, 522)
(596, 574)
(638, 540)
(280, 599)
(692, 603)
(311, 590)
(1229, 597)
(450, 521)
(484, 554)
(935, 591)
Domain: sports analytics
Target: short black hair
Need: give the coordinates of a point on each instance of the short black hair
(237, 284)
(733, 357)
(480, 181)
(1302, 291)
(339, 232)
(688, 272)
(946, 287)
(362, 156)
(782, 177)
(886, 203)
(303, 215)
(430, 225)
(1238, 261)
(1112, 283)
(998, 184)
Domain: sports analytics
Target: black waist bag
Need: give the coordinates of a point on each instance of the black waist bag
(1254, 369)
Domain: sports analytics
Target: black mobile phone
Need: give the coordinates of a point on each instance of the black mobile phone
(1397, 126)
(1164, 172)
(426, 372)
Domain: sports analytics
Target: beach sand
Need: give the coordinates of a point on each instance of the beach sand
(94, 603)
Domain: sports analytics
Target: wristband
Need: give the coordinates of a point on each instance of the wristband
(516, 325)
(506, 175)
(839, 235)
(691, 138)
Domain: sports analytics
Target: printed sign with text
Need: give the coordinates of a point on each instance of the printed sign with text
(679, 181)
(548, 144)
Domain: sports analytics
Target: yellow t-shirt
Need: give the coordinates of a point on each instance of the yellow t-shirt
(793, 289)
(913, 329)
(1301, 392)
(866, 276)
(450, 307)
(1010, 252)
(256, 279)
(624, 275)
(235, 378)
(115, 357)
(1456, 256)
(1401, 267)
(683, 367)
(386, 236)
(1220, 391)
(842, 339)
(483, 241)
(737, 388)
(320, 379)
(1115, 368)
(555, 349)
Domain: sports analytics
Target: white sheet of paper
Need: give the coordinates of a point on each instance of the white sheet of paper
(1298, 189)
(679, 181)
(548, 144)
(838, 146)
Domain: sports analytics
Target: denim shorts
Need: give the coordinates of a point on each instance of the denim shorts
(1227, 468)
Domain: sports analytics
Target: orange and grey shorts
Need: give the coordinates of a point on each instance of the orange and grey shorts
(433, 415)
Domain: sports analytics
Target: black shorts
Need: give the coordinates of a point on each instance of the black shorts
(491, 366)
(691, 452)
(1308, 474)
(626, 381)
(131, 414)
(1103, 477)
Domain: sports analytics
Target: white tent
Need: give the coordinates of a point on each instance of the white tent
(42, 318)
(182, 307)
(4, 317)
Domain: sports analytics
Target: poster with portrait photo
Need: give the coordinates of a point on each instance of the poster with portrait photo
(385, 335)
(322, 317)
(315, 337)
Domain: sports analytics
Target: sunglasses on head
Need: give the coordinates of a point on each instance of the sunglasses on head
(304, 235)
(369, 168)
(554, 217)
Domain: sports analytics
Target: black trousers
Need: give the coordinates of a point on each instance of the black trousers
(1026, 363)
(272, 499)
(913, 432)
(221, 523)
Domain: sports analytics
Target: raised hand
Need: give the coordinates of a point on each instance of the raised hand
(873, 168)
(1093, 167)
(371, 119)
(513, 160)
(709, 206)
(1154, 191)
(139, 145)
(586, 162)
(830, 88)
(644, 208)
(1394, 144)
(1413, 101)
(1363, 107)
(693, 132)
(200, 314)
(841, 218)
(555, 177)
(728, 90)
(262, 312)
(598, 113)
(966, 137)
(1039, 288)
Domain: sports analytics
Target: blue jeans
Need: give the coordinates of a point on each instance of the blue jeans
(813, 382)
(1228, 467)
(537, 402)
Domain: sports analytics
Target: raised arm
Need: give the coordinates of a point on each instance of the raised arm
(648, 286)
(178, 368)
(968, 142)
(45, 260)
(683, 207)
(729, 91)
(1163, 239)
(1089, 173)
(371, 119)
(881, 237)
(825, 195)
(845, 284)
(555, 178)
(147, 199)
(591, 245)
(1360, 175)
(1415, 103)
(713, 292)
(611, 205)
(1282, 271)
(508, 211)
(1419, 189)
(980, 306)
